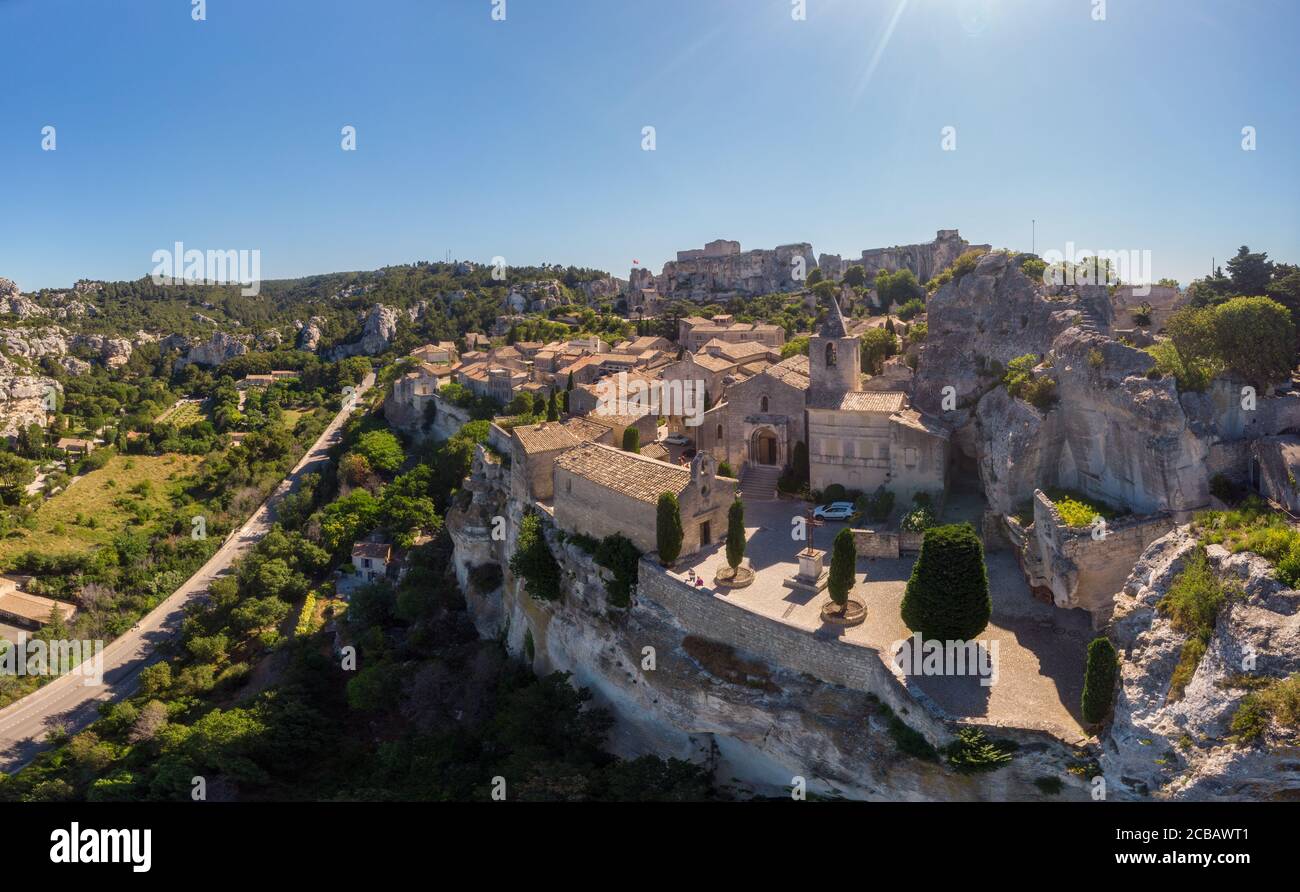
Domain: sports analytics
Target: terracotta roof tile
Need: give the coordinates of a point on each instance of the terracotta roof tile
(635, 476)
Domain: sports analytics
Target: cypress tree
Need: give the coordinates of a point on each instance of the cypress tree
(947, 598)
(552, 409)
(735, 535)
(668, 529)
(844, 561)
(631, 440)
(1099, 680)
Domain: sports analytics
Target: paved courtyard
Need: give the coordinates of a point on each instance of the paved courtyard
(1041, 649)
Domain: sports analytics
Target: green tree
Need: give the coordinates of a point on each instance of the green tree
(1250, 272)
(382, 449)
(552, 409)
(735, 535)
(844, 560)
(878, 345)
(631, 440)
(668, 529)
(533, 561)
(855, 276)
(1099, 680)
(1255, 338)
(947, 598)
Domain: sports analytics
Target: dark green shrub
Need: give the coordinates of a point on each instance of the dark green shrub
(533, 561)
(735, 534)
(1099, 680)
(947, 598)
(668, 529)
(844, 560)
(972, 752)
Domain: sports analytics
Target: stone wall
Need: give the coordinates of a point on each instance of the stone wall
(1081, 569)
(852, 666)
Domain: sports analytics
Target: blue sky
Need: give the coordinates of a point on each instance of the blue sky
(523, 138)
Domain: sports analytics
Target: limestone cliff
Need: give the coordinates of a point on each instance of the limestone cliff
(1117, 431)
(1183, 749)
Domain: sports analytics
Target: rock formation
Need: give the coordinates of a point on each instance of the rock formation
(23, 401)
(376, 334)
(214, 351)
(309, 334)
(1182, 749)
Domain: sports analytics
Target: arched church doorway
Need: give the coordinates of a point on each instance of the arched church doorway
(763, 447)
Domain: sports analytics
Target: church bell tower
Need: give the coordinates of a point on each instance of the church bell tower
(834, 361)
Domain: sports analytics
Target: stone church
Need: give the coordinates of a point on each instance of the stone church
(858, 437)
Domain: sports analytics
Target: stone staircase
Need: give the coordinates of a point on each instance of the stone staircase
(1092, 319)
(758, 482)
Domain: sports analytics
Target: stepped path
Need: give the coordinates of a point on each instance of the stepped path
(758, 482)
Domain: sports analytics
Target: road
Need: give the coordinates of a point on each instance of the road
(69, 702)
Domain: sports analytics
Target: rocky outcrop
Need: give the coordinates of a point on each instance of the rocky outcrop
(23, 402)
(1118, 431)
(74, 366)
(270, 339)
(214, 351)
(377, 333)
(309, 334)
(1182, 749)
(113, 352)
(14, 303)
(33, 343)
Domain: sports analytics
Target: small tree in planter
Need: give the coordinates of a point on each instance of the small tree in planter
(1099, 680)
(668, 529)
(844, 561)
(740, 576)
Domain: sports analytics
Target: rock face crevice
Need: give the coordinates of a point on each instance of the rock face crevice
(1183, 748)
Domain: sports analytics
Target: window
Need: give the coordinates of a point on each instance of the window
(764, 409)
(719, 433)
(830, 354)
(909, 457)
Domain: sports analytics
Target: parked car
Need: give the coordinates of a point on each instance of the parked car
(677, 440)
(834, 511)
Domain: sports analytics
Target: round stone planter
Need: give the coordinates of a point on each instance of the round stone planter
(742, 577)
(853, 614)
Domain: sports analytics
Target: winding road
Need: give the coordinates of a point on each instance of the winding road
(71, 702)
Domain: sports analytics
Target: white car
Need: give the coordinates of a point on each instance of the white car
(677, 440)
(834, 511)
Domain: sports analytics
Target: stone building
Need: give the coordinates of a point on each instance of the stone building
(534, 448)
(600, 490)
(864, 439)
(693, 332)
(924, 260)
(763, 417)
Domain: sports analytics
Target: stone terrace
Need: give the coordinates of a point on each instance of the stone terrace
(1041, 649)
